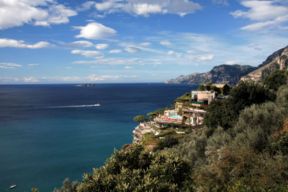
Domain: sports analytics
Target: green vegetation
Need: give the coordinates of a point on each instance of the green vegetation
(167, 142)
(184, 98)
(225, 112)
(134, 169)
(209, 86)
(139, 118)
(243, 147)
(155, 113)
(276, 79)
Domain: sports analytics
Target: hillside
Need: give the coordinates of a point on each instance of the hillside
(219, 74)
(278, 60)
(243, 147)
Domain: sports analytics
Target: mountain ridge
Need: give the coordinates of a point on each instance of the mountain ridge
(230, 74)
(276, 61)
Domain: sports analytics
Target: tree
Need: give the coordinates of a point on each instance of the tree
(248, 93)
(216, 89)
(276, 79)
(168, 141)
(220, 113)
(281, 145)
(225, 112)
(67, 186)
(139, 118)
(134, 169)
(155, 113)
(34, 189)
(202, 87)
(226, 89)
(282, 97)
(184, 98)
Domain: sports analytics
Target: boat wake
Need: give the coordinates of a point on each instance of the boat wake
(74, 106)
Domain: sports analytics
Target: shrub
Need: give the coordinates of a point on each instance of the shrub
(276, 79)
(282, 98)
(220, 113)
(249, 93)
(281, 145)
(139, 118)
(167, 142)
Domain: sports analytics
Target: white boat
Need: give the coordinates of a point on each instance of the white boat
(12, 186)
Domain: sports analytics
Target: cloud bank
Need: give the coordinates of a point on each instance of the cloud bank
(15, 13)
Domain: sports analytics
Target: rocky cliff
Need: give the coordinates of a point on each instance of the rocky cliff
(278, 60)
(230, 74)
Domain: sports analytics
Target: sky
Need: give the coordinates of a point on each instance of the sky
(120, 41)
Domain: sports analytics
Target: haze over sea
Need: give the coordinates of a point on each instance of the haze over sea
(50, 132)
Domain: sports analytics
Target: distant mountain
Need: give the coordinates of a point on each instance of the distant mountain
(230, 74)
(278, 60)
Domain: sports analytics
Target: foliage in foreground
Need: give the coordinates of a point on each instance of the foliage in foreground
(133, 169)
(225, 112)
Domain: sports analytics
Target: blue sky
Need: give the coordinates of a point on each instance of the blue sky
(61, 41)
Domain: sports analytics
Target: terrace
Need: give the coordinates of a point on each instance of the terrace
(169, 117)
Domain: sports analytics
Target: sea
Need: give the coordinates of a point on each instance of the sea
(52, 132)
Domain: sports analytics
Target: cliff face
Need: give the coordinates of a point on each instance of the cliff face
(278, 60)
(230, 74)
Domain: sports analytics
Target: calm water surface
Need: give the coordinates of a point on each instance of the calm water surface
(50, 132)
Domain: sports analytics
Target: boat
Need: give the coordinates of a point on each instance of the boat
(12, 186)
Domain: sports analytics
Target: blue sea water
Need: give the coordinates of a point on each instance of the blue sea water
(50, 132)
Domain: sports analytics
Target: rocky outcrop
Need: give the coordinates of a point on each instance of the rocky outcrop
(230, 74)
(142, 129)
(277, 61)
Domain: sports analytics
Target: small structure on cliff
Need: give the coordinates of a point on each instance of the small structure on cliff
(193, 116)
(189, 112)
(202, 97)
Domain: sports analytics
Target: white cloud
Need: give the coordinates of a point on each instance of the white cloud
(30, 79)
(60, 79)
(110, 61)
(148, 7)
(21, 44)
(57, 14)
(221, 2)
(165, 43)
(127, 67)
(115, 51)
(174, 54)
(171, 52)
(95, 31)
(101, 46)
(9, 66)
(263, 14)
(82, 44)
(107, 5)
(33, 65)
(87, 53)
(87, 5)
(94, 77)
(71, 79)
(131, 49)
(145, 44)
(208, 57)
(231, 62)
(37, 12)
(266, 24)
(207, 51)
